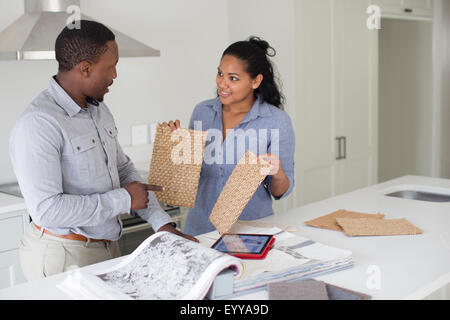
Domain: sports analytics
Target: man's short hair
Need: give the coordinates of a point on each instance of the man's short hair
(86, 43)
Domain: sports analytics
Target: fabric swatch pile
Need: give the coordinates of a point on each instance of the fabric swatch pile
(363, 224)
(311, 290)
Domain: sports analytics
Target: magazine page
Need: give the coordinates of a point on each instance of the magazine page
(163, 267)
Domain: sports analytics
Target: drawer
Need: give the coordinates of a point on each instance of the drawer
(11, 231)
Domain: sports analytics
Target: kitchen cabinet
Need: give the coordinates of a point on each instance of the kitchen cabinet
(407, 9)
(12, 226)
(336, 82)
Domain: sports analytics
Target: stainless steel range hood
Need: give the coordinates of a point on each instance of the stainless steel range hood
(33, 35)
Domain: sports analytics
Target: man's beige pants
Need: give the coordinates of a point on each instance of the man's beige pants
(42, 255)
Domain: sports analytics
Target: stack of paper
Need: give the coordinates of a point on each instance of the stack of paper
(292, 258)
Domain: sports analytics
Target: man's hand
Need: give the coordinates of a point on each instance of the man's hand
(174, 125)
(170, 228)
(139, 194)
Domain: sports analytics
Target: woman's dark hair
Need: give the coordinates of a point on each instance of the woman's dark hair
(255, 53)
(86, 43)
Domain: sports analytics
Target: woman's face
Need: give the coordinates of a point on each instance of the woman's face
(234, 84)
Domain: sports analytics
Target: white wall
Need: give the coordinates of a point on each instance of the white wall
(406, 99)
(190, 34)
(273, 21)
(443, 54)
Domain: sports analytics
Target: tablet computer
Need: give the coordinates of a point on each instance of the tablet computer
(245, 246)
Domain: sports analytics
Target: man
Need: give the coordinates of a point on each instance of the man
(72, 172)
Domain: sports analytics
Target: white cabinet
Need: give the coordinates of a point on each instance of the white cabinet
(336, 82)
(406, 8)
(11, 231)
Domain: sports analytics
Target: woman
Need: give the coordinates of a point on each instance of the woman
(246, 115)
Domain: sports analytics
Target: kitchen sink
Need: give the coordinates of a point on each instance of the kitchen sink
(419, 193)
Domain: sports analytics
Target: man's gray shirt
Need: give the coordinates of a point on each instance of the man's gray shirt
(71, 168)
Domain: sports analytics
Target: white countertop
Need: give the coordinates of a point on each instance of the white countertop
(410, 267)
(10, 203)
(407, 267)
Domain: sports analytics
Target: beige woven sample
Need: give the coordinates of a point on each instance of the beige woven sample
(239, 189)
(329, 221)
(176, 165)
(375, 227)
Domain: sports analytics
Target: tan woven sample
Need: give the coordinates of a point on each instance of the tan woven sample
(176, 165)
(329, 221)
(376, 227)
(239, 189)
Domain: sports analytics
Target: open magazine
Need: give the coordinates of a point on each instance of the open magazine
(165, 266)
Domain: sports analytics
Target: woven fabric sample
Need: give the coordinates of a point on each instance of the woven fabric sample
(239, 189)
(298, 290)
(176, 165)
(311, 290)
(329, 221)
(375, 227)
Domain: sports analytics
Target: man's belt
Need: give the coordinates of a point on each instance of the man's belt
(71, 236)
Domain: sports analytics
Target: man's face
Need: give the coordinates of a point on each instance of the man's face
(102, 73)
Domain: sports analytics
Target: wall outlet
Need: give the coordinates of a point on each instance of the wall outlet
(139, 135)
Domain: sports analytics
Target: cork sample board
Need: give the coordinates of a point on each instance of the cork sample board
(239, 189)
(176, 165)
(329, 221)
(375, 227)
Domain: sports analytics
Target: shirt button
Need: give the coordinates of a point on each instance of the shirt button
(93, 140)
(78, 148)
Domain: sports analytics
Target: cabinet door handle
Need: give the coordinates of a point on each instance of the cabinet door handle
(345, 147)
(409, 10)
(339, 157)
(342, 148)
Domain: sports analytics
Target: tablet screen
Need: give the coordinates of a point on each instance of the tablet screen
(242, 243)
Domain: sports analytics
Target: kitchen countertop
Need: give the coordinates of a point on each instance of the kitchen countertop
(390, 267)
(10, 203)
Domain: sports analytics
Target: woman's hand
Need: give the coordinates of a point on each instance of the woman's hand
(277, 170)
(173, 125)
(280, 182)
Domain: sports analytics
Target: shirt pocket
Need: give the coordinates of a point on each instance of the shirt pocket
(83, 162)
(111, 130)
(110, 140)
